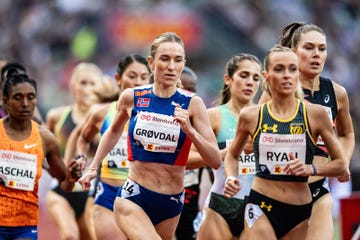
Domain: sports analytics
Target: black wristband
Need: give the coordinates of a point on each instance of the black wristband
(83, 156)
(314, 169)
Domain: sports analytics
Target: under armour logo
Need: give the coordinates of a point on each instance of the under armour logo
(272, 128)
(268, 207)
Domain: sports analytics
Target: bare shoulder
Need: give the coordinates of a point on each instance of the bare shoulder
(196, 100)
(315, 111)
(98, 111)
(126, 98)
(214, 113)
(54, 114)
(341, 94)
(215, 118)
(48, 138)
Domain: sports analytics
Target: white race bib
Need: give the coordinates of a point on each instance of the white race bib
(18, 170)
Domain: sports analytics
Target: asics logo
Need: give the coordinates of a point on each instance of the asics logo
(27, 146)
(327, 98)
(316, 192)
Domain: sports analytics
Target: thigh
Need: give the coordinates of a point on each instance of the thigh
(133, 221)
(321, 221)
(214, 227)
(62, 214)
(257, 225)
(166, 229)
(299, 232)
(105, 224)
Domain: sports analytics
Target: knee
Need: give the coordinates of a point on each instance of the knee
(69, 235)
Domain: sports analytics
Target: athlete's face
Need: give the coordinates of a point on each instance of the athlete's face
(136, 74)
(189, 82)
(168, 63)
(312, 53)
(84, 87)
(21, 101)
(282, 74)
(245, 81)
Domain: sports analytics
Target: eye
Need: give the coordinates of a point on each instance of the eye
(256, 78)
(132, 76)
(32, 96)
(17, 97)
(278, 69)
(164, 58)
(244, 75)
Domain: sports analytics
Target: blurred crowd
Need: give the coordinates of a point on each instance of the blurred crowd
(50, 37)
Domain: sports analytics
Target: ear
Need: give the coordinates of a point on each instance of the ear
(227, 79)
(151, 62)
(118, 79)
(264, 73)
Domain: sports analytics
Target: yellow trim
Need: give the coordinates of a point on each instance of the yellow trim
(61, 121)
(286, 120)
(258, 128)
(307, 124)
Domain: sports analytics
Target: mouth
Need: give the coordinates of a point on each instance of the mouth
(25, 113)
(248, 92)
(315, 64)
(287, 84)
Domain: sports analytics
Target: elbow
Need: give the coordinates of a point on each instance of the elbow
(217, 162)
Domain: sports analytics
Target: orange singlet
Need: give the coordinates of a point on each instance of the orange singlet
(20, 170)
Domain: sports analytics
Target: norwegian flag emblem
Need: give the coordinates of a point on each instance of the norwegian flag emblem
(143, 102)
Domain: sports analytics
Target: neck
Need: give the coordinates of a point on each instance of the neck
(283, 107)
(235, 106)
(18, 125)
(163, 91)
(313, 84)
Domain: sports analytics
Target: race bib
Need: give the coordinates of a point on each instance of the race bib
(157, 132)
(18, 170)
(274, 151)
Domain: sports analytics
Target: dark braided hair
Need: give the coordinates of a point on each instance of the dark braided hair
(13, 74)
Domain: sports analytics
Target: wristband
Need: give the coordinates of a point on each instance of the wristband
(230, 178)
(79, 156)
(93, 169)
(314, 169)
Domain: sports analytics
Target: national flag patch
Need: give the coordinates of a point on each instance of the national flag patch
(143, 102)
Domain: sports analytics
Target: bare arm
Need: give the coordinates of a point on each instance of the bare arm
(245, 127)
(71, 144)
(91, 128)
(335, 167)
(200, 133)
(65, 174)
(111, 136)
(195, 160)
(344, 125)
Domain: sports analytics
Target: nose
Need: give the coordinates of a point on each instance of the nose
(249, 81)
(316, 52)
(138, 81)
(25, 102)
(171, 64)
